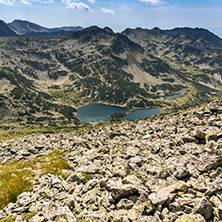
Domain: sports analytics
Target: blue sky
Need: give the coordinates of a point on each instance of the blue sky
(117, 14)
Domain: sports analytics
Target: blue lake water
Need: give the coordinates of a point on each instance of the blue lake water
(170, 97)
(96, 112)
(142, 113)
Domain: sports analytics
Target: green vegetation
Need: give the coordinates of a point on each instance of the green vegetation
(16, 177)
(117, 115)
(87, 176)
(12, 184)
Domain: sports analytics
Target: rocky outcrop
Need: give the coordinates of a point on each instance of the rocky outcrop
(163, 169)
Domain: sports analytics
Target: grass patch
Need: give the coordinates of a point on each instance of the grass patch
(16, 177)
(87, 176)
(57, 93)
(13, 183)
(56, 166)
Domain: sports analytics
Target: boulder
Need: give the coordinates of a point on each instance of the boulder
(160, 197)
(120, 190)
(204, 208)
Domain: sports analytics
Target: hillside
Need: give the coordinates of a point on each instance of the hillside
(33, 30)
(163, 169)
(130, 69)
(5, 30)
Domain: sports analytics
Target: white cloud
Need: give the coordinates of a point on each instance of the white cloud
(79, 5)
(108, 11)
(92, 1)
(151, 2)
(76, 5)
(7, 2)
(25, 2)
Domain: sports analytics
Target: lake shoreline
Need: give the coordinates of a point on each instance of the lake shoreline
(99, 113)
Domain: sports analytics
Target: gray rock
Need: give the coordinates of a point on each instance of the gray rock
(181, 173)
(2, 215)
(162, 195)
(199, 134)
(125, 204)
(59, 214)
(120, 190)
(204, 208)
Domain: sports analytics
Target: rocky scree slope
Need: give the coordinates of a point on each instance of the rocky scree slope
(168, 168)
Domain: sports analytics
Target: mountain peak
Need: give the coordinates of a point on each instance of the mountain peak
(22, 27)
(109, 30)
(157, 29)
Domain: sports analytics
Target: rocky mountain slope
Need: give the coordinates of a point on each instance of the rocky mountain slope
(5, 30)
(98, 65)
(33, 30)
(163, 169)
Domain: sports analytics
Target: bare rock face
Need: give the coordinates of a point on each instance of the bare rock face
(148, 172)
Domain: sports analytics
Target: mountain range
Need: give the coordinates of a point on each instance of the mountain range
(26, 28)
(46, 77)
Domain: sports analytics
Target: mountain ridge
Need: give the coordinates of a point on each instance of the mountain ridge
(180, 32)
(30, 29)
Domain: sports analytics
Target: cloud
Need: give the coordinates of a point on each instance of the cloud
(108, 11)
(92, 1)
(151, 2)
(7, 2)
(25, 2)
(76, 5)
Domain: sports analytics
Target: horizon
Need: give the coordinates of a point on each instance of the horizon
(110, 27)
(118, 15)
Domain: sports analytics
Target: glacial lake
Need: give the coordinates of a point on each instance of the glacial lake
(96, 112)
(171, 97)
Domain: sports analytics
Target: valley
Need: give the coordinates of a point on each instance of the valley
(44, 80)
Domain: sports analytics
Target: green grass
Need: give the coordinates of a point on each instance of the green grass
(87, 176)
(57, 93)
(13, 181)
(17, 177)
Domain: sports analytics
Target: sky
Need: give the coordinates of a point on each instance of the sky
(117, 14)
